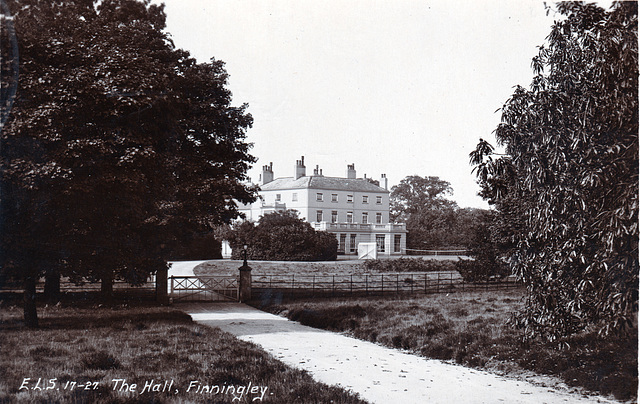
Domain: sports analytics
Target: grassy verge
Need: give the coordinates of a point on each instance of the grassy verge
(471, 329)
(80, 352)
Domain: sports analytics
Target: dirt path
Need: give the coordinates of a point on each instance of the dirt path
(378, 374)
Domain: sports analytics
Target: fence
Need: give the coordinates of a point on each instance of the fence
(369, 284)
(147, 288)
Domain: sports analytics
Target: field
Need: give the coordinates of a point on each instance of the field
(83, 354)
(471, 329)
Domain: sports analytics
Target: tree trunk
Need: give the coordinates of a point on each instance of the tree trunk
(106, 287)
(52, 287)
(30, 312)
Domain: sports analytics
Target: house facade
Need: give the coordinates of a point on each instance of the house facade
(352, 208)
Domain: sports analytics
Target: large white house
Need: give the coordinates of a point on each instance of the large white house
(353, 209)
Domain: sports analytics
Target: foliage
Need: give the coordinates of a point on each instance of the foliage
(282, 236)
(482, 269)
(407, 265)
(414, 194)
(118, 144)
(433, 221)
(566, 187)
(486, 248)
(420, 203)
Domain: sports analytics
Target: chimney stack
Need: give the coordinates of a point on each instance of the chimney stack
(300, 168)
(317, 171)
(267, 174)
(384, 183)
(351, 171)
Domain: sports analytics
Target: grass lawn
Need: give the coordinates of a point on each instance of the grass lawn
(85, 353)
(230, 267)
(349, 267)
(471, 329)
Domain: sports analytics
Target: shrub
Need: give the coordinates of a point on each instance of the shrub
(282, 236)
(407, 265)
(481, 269)
(339, 318)
(437, 350)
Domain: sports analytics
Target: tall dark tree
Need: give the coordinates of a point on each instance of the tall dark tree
(107, 150)
(568, 181)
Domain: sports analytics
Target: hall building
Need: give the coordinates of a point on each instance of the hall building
(354, 209)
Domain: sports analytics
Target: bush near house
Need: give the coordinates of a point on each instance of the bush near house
(282, 236)
(408, 265)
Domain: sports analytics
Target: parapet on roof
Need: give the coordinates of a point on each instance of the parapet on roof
(321, 182)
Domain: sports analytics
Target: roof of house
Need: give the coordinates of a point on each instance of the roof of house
(321, 182)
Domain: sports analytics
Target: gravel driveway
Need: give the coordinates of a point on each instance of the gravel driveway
(378, 374)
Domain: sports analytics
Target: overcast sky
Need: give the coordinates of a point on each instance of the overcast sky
(401, 87)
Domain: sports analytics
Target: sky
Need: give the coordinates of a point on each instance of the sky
(400, 87)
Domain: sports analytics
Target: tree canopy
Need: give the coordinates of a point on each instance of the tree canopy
(117, 145)
(421, 203)
(567, 184)
(282, 236)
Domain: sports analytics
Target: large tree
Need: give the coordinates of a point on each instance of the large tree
(421, 203)
(568, 180)
(117, 141)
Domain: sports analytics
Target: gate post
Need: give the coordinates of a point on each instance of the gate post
(162, 295)
(244, 283)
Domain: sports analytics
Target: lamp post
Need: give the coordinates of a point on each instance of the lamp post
(244, 264)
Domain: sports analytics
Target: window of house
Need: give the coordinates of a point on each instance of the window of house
(378, 218)
(294, 197)
(365, 199)
(350, 198)
(334, 216)
(334, 197)
(352, 243)
(378, 200)
(380, 242)
(349, 217)
(396, 242)
(319, 196)
(342, 243)
(278, 197)
(365, 217)
(318, 216)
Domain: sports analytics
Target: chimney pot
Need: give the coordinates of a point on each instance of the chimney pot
(351, 171)
(300, 170)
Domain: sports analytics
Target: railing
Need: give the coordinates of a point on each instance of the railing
(388, 227)
(368, 284)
